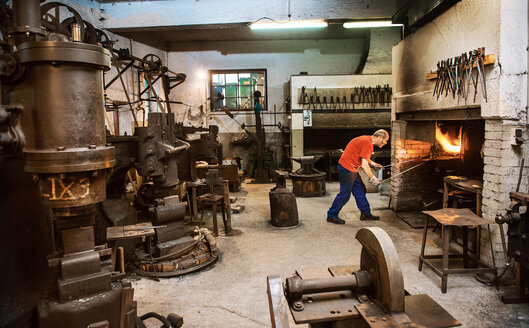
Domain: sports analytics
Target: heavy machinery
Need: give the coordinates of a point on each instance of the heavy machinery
(52, 113)
(517, 250)
(372, 295)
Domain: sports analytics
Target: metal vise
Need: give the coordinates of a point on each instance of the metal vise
(517, 219)
(373, 296)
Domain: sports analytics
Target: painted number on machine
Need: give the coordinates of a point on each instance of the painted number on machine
(60, 189)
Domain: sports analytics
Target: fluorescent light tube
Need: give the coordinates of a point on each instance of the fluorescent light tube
(363, 24)
(288, 24)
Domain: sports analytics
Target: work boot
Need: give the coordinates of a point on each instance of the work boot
(370, 217)
(335, 220)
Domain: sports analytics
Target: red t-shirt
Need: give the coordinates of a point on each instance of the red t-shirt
(358, 148)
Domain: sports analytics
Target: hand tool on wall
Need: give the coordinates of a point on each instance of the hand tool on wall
(311, 103)
(303, 97)
(454, 75)
(333, 104)
(481, 70)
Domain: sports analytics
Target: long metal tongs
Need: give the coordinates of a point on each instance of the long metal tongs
(454, 75)
(481, 69)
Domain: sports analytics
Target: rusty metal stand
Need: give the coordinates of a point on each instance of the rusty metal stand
(450, 218)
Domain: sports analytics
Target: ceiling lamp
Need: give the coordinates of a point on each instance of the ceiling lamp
(364, 24)
(288, 24)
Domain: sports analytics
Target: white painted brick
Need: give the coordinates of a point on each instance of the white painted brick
(493, 135)
(492, 169)
(493, 144)
(489, 193)
(503, 162)
(493, 126)
(494, 152)
(492, 161)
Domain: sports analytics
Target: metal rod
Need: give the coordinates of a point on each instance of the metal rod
(520, 175)
(298, 287)
(411, 160)
(154, 92)
(400, 173)
(153, 81)
(128, 98)
(119, 74)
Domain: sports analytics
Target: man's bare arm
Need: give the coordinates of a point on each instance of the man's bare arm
(366, 168)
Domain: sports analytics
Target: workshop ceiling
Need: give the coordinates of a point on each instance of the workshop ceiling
(205, 37)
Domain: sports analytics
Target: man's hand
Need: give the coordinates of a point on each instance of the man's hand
(374, 181)
(376, 165)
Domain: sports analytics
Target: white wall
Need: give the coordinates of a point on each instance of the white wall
(318, 57)
(281, 59)
(190, 12)
(499, 26)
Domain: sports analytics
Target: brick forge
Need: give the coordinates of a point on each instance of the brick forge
(408, 188)
(492, 147)
(414, 148)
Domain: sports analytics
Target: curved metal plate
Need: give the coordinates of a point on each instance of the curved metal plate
(379, 257)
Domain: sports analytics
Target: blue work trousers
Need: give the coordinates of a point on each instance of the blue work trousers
(350, 182)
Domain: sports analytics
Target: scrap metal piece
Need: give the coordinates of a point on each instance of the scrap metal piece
(424, 311)
(277, 302)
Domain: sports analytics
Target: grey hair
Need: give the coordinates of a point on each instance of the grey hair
(381, 133)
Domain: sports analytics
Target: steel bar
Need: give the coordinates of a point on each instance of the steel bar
(297, 287)
(400, 173)
(128, 97)
(129, 65)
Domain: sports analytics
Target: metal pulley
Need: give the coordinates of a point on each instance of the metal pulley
(151, 63)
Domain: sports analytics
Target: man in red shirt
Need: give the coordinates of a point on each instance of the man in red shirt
(357, 155)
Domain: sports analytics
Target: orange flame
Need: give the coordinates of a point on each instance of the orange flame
(450, 145)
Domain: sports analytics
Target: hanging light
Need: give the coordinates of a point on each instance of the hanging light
(265, 25)
(373, 23)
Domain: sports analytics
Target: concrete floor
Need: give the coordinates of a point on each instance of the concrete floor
(232, 293)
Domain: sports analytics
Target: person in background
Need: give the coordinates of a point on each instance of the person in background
(357, 155)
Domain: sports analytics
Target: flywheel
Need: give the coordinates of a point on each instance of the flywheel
(379, 257)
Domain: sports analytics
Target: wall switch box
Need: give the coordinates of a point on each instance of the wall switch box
(517, 137)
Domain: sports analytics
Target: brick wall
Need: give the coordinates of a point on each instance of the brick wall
(501, 173)
(407, 189)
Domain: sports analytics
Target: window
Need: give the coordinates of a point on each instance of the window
(234, 89)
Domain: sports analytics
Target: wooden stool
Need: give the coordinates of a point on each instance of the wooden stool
(213, 200)
(449, 218)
